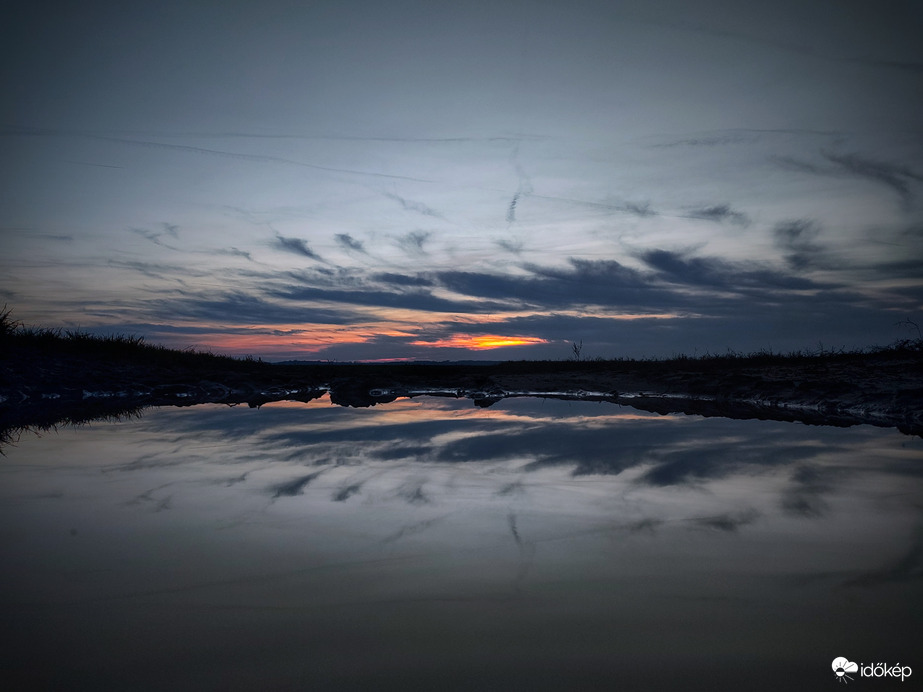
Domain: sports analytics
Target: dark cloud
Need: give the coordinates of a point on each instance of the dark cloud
(297, 246)
(795, 233)
(797, 236)
(169, 229)
(165, 272)
(401, 279)
(294, 487)
(792, 164)
(673, 459)
(514, 488)
(687, 466)
(241, 308)
(211, 423)
(600, 282)
(711, 287)
(639, 209)
(346, 492)
(649, 525)
(804, 497)
(705, 141)
(894, 176)
(634, 208)
(719, 213)
(353, 287)
(412, 243)
(593, 329)
(690, 466)
(233, 252)
(406, 299)
(412, 493)
(513, 246)
(146, 328)
(410, 205)
(719, 273)
(705, 294)
(172, 231)
(346, 241)
(159, 503)
(524, 188)
(728, 521)
(514, 529)
(326, 276)
(410, 452)
(511, 210)
(603, 451)
(414, 528)
(418, 433)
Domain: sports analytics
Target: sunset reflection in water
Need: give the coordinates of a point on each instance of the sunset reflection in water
(535, 543)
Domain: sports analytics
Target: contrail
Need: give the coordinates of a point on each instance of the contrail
(526, 554)
(260, 158)
(511, 518)
(525, 186)
(511, 212)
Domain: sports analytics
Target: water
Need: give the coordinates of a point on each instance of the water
(431, 544)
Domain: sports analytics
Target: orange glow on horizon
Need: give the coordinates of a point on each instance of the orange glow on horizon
(406, 327)
(291, 338)
(481, 343)
(269, 339)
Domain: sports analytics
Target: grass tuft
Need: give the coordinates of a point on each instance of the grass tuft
(44, 342)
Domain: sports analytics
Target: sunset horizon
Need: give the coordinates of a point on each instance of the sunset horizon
(366, 182)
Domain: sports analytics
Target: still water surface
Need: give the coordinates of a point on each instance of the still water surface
(427, 544)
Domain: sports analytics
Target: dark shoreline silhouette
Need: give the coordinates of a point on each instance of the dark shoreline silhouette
(819, 402)
(49, 378)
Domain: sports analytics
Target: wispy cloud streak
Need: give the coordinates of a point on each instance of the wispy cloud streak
(258, 158)
(169, 229)
(412, 243)
(410, 205)
(894, 176)
(719, 213)
(346, 241)
(297, 246)
(524, 187)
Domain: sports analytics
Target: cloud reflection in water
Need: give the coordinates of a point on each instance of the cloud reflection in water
(531, 542)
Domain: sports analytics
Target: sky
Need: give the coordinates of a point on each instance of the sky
(466, 180)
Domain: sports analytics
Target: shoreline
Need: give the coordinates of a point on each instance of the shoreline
(883, 388)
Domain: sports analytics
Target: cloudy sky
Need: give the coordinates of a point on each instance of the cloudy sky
(360, 180)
